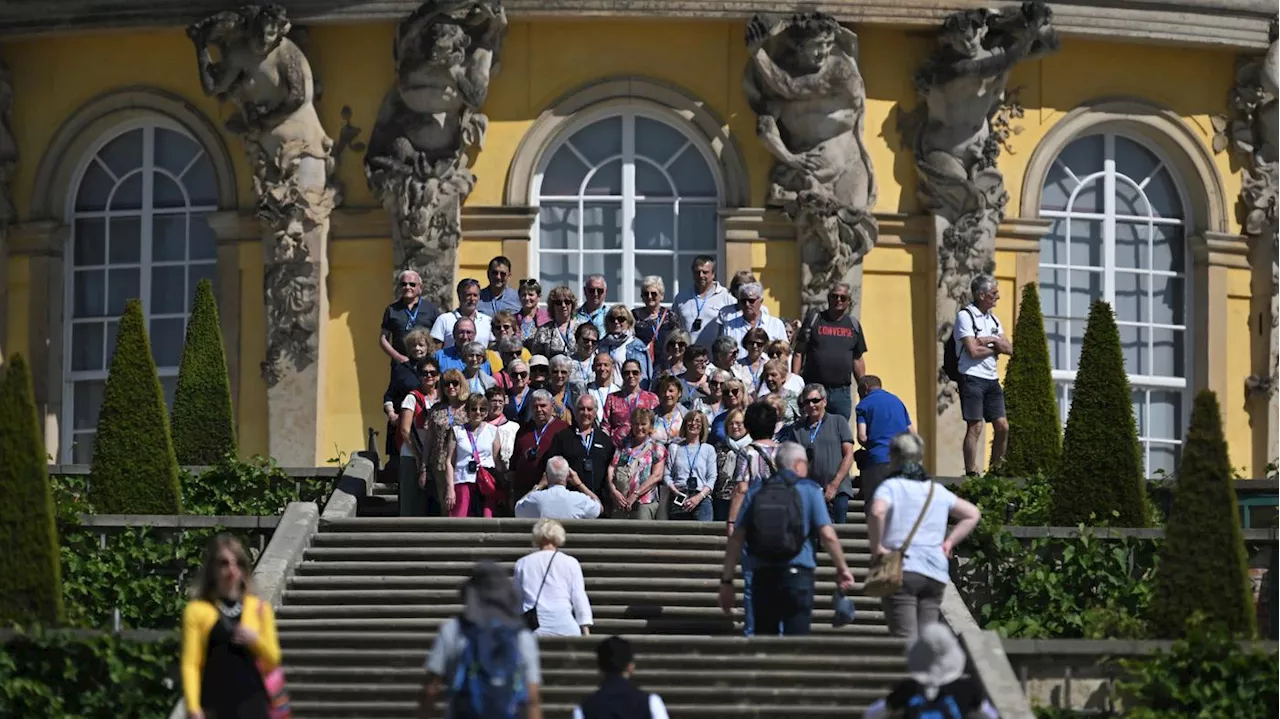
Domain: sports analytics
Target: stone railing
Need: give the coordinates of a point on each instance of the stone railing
(305, 479)
(987, 660)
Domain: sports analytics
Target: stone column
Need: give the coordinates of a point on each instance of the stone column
(43, 244)
(959, 181)
(292, 165)
(8, 213)
(416, 162)
(232, 229)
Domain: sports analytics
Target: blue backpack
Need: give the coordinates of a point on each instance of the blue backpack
(489, 682)
(941, 707)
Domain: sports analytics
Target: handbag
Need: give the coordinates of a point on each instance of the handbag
(277, 691)
(531, 616)
(485, 480)
(885, 577)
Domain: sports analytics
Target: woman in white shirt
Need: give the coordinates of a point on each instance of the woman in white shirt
(507, 429)
(551, 583)
(471, 446)
(898, 502)
(411, 436)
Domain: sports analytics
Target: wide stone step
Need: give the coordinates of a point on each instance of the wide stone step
(653, 679)
(686, 693)
(832, 647)
(630, 542)
(661, 595)
(373, 709)
(599, 609)
(394, 589)
(675, 621)
(573, 527)
(886, 661)
(443, 568)
(643, 555)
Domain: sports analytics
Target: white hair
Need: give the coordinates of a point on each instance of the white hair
(906, 448)
(518, 364)
(561, 362)
(653, 282)
(472, 348)
(595, 276)
(548, 531)
(557, 470)
(541, 395)
(789, 455)
(981, 284)
(751, 289)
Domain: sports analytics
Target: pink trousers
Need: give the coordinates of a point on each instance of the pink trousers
(469, 502)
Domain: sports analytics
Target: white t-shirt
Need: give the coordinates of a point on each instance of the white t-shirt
(692, 307)
(793, 383)
(972, 322)
(410, 448)
(657, 710)
(738, 327)
(905, 498)
(601, 394)
(442, 330)
(563, 607)
(463, 456)
(557, 502)
(507, 438)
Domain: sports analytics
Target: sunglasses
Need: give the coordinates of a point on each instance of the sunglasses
(735, 392)
(565, 303)
(519, 374)
(408, 284)
(595, 290)
(618, 320)
(653, 294)
(588, 340)
(813, 400)
(559, 372)
(750, 300)
(452, 383)
(677, 344)
(839, 298)
(753, 343)
(715, 384)
(431, 373)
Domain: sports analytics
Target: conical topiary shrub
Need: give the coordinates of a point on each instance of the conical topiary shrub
(203, 429)
(1100, 477)
(1035, 434)
(1202, 565)
(134, 468)
(30, 569)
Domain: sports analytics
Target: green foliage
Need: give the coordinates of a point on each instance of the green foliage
(1035, 434)
(1101, 476)
(257, 487)
(203, 428)
(1207, 675)
(1204, 564)
(134, 467)
(30, 582)
(58, 675)
(1058, 588)
(1003, 500)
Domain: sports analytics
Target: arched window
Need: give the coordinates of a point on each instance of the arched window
(1119, 235)
(626, 195)
(138, 229)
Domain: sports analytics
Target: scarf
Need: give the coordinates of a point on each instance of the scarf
(912, 470)
(737, 445)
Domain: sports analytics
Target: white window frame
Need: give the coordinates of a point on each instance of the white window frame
(145, 264)
(629, 199)
(1064, 380)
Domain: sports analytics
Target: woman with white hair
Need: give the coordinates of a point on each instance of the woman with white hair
(937, 685)
(473, 359)
(653, 321)
(554, 593)
(561, 369)
(910, 510)
(622, 345)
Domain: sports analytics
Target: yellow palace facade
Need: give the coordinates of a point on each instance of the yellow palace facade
(312, 149)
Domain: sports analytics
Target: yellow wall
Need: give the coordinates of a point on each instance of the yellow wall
(55, 75)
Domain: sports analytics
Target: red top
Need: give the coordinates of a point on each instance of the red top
(526, 469)
(617, 412)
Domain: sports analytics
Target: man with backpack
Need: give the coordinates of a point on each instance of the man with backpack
(829, 349)
(484, 663)
(978, 339)
(781, 520)
(755, 463)
(617, 697)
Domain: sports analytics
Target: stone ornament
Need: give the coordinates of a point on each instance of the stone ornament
(1251, 134)
(268, 79)
(803, 83)
(416, 163)
(962, 91)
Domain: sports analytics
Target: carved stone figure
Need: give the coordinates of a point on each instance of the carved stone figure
(961, 89)
(803, 83)
(1251, 135)
(268, 78)
(416, 163)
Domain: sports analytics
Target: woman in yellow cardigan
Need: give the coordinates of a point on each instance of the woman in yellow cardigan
(228, 638)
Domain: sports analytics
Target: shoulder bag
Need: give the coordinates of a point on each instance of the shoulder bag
(485, 481)
(277, 692)
(531, 616)
(885, 577)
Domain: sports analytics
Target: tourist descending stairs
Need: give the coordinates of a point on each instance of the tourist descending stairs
(362, 609)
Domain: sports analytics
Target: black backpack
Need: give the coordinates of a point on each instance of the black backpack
(775, 527)
(951, 353)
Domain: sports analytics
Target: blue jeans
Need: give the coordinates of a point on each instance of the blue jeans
(783, 603)
(748, 609)
(839, 508)
(840, 401)
(701, 513)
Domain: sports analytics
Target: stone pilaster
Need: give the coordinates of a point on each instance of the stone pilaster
(8, 213)
(43, 244)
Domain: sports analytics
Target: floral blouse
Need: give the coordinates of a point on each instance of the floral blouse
(666, 428)
(530, 325)
(440, 423)
(617, 413)
(632, 467)
(549, 341)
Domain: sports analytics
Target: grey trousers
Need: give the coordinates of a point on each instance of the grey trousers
(639, 511)
(413, 499)
(916, 605)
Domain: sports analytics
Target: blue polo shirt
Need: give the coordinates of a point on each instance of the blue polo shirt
(885, 417)
(815, 518)
(492, 304)
(450, 358)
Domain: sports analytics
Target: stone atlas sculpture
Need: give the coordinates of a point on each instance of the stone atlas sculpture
(268, 79)
(1252, 135)
(961, 88)
(803, 83)
(417, 162)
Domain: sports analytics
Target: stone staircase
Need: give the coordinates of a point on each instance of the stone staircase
(361, 610)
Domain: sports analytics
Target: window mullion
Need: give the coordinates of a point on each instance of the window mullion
(628, 207)
(1109, 224)
(144, 224)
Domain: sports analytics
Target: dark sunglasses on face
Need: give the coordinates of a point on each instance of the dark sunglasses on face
(565, 303)
(715, 384)
(652, 294)
(520, 374)
(431, 373)
(678, 344)
(595, 290)
(734, 392)
(813, 400)
(408, 284)
(753, 343)
(839, 298)
(588, 340)
(452, 383)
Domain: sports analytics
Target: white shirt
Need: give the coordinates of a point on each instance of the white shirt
(692, 307)
(657, 710)
(905, 498)
(601, 394)
(738, 327)
(463, 455)
(557, 502)
(507, 438)
(754, 381)
(793, 383)
(442, 330)
(563, 607)
(972, 322)
(410, 449)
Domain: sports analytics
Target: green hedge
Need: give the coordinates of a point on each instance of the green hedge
(1204, 568)
(1035, 432)
(30, 580)
(203, 428)
(134, 467)
(62, 675)
(1100, 481)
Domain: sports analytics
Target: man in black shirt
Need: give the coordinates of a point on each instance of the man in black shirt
(829, 351)
(404, 315)
(617, 697)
